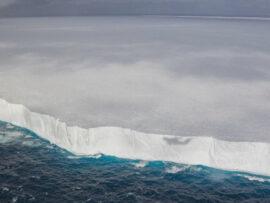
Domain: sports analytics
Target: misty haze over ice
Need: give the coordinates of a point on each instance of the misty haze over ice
(165, 75)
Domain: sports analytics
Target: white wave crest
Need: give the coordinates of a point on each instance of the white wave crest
(175, 169)
(140, 164)
(255, 178)
(125, 143)
(12, 136)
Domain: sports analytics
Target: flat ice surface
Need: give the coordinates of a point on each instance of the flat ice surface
(162, 75)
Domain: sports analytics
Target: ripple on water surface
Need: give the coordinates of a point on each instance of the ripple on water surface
(31, 169)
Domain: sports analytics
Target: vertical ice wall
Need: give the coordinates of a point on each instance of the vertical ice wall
(125, 143)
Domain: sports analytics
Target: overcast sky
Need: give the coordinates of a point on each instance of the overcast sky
(164, 75)
(16, 8)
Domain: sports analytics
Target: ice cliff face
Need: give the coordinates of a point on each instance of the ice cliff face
(125, 143)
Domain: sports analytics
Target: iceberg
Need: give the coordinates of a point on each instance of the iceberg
(252, 157)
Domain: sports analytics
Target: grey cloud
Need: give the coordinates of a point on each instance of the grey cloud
(5, 3)
(136, 7)
(158, 75)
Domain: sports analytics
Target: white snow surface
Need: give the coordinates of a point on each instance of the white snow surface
(125, 143)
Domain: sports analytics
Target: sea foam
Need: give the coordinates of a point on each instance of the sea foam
(250, 157)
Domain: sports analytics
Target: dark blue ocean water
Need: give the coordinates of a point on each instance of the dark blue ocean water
(33, 170)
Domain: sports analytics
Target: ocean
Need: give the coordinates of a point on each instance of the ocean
(33, 170)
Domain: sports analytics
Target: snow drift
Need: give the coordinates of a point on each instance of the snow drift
(125, 143)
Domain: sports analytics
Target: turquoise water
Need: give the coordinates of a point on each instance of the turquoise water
(33, 170)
